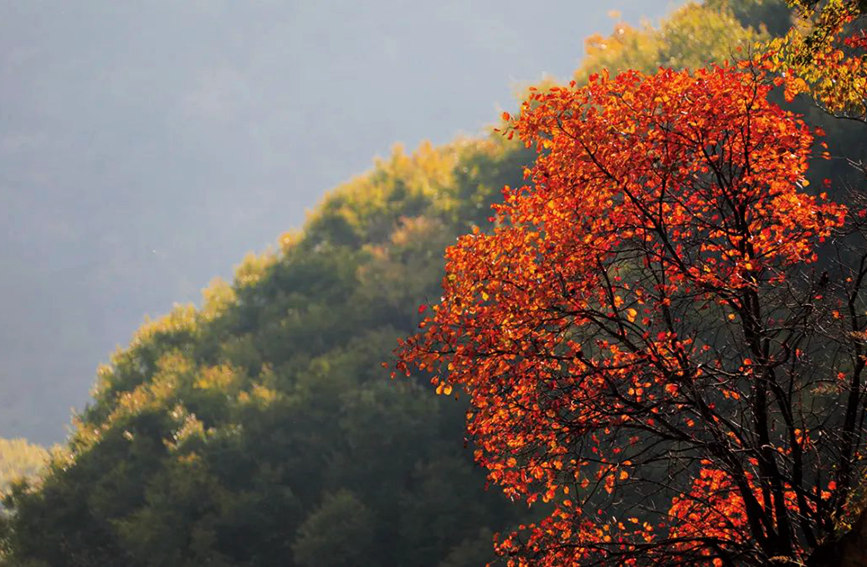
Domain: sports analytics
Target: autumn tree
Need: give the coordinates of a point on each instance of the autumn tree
(649, 340)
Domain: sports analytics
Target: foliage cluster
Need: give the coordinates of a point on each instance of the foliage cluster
(825, 55)
(691, 37)
(19, 459)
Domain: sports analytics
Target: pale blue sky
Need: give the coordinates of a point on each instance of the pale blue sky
(146, 146)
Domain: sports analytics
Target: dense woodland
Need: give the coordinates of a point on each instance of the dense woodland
(262, 429)
(18, 459)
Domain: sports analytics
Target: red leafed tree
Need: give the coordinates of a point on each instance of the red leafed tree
(650, 347)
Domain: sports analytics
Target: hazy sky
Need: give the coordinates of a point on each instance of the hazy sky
(145, 146)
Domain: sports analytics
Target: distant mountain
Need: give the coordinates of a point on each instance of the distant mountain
(144, 146)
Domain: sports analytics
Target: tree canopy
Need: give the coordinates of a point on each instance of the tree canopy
(19, 459)
(663, 334)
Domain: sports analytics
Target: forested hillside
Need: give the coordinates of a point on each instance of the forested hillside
(19, 459)
(262, 429)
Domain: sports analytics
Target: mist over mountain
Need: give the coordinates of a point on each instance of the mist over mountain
(145, 147)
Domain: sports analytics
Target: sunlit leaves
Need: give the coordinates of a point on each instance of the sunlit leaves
(824, 56)
(693, 36)
(587, 327)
